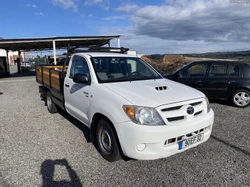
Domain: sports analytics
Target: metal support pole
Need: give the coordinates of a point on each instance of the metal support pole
(54, 50)
(24, 57)
(19, 62)
(66, 62)
(7, 63)
(119, 42)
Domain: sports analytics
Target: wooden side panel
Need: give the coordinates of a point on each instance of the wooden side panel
(55, 79)
(50, 75)
(46, 75)
(39, 74)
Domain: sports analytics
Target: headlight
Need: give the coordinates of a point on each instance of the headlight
(143, 115)
(208, 105)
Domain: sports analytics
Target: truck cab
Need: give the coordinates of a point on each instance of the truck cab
(130, 109)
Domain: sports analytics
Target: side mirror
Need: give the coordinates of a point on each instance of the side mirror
(177, 75)
(81, 79)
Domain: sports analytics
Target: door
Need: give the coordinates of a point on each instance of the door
(235, 73)
(222, 79)
(193, 75)
(77, 96)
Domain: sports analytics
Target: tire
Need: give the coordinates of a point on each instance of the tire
(50, 104)
(107, 143)
(241, 98)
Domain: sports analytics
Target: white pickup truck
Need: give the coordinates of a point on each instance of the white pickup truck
(129, 107)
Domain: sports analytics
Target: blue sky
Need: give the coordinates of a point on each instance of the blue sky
(150, 26)
(42, 18)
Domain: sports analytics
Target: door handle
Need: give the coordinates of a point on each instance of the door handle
(86, 94)
(231, 82)
(67, 85)
(198, 82)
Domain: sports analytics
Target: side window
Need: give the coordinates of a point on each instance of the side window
(197, 70)
(233, 71)
(218, 70)
(79, 65)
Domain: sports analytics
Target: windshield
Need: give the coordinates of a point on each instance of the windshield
(118, 69)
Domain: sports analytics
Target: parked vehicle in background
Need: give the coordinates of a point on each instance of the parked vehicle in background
(228, 80)
(2, 71)
(28, 65)
(2, 66)
(129, 107)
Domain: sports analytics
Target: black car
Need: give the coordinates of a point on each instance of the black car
(228, 80)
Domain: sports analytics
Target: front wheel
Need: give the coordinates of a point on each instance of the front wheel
(241, 98)
(107, 143)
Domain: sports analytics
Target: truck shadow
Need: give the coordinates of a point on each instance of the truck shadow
(85, 130)
(231, 145)
(48, 171)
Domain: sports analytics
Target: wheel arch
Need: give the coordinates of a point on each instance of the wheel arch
(93, 127)
(238, 88)
(235, 91)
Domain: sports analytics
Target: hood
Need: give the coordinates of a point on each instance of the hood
(153, 93)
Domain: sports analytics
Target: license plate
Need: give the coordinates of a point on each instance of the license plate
(190, 141)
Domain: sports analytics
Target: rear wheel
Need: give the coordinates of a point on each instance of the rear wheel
(107, 142)
(50, 104)
(241, 98)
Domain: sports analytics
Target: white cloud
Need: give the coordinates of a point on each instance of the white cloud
(39, 14)
(184, 26)
(197, 20)
(66, 4)
(114, 18)
(32, 6)
(105, 4)
(127, 8)
(152, 45)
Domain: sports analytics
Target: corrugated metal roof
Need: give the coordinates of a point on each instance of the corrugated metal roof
(61, 42)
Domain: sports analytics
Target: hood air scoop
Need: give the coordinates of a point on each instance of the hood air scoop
(156, 86)
(161, 88)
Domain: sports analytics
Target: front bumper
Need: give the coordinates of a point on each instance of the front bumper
(156, 139)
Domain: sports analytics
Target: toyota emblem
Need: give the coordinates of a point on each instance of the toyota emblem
(190, 110)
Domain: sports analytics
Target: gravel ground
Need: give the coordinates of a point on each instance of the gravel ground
(40, 149)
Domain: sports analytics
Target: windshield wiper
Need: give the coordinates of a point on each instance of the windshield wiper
(143, 78)
(124, 79)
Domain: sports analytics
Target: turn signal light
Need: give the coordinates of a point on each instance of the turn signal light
(130, 111)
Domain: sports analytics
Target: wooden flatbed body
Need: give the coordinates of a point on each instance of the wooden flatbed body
(51, 79)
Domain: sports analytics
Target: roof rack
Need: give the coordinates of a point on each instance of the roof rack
(92, 49)
(100, 49)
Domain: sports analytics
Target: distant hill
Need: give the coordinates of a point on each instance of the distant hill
(225, 55)
(168, 63)
(218, 55)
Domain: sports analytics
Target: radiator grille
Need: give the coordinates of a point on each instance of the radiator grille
(177, 112)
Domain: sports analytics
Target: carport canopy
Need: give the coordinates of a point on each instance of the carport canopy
(34, 44)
